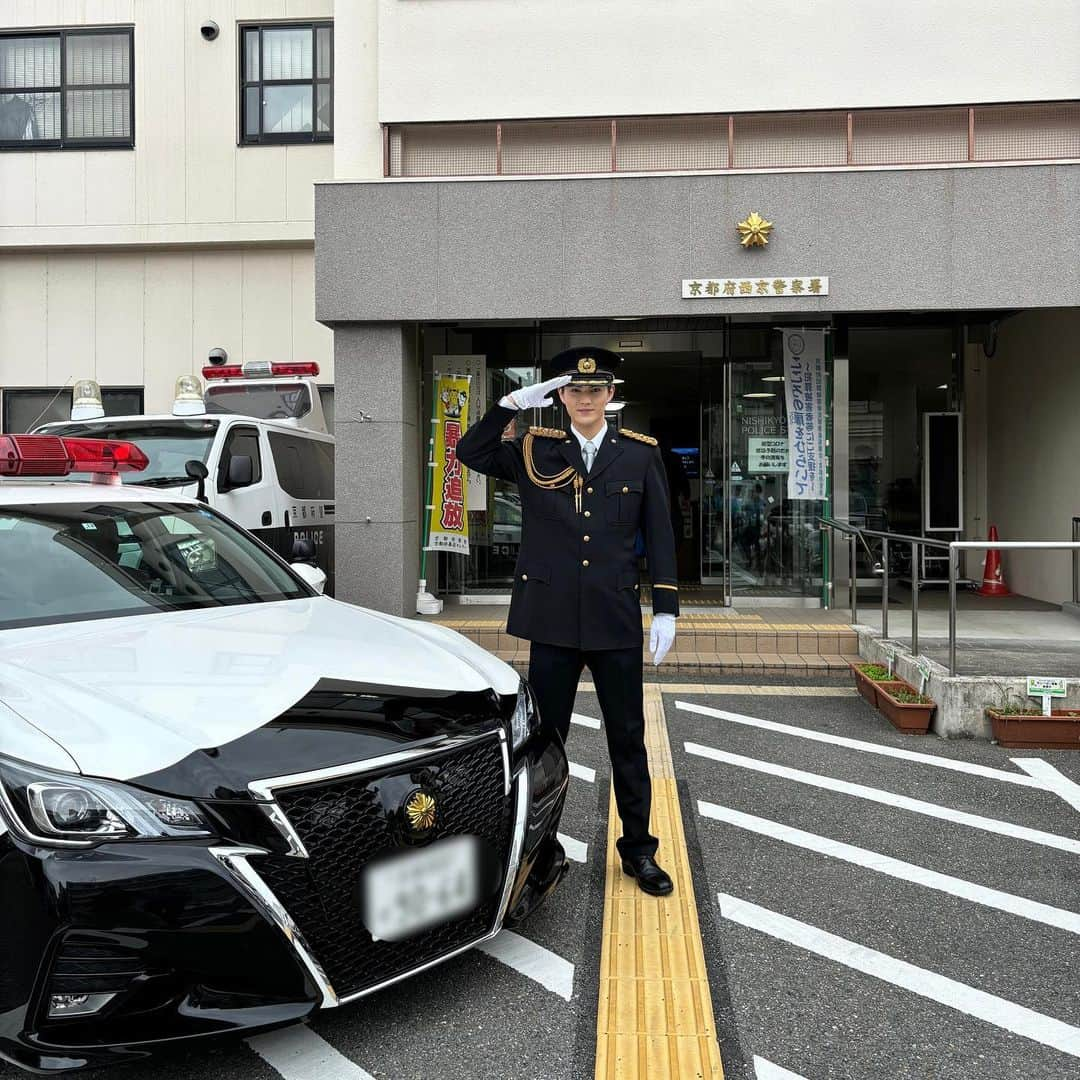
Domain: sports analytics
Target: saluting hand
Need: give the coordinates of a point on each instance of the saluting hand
(537, 396)
(661, 636)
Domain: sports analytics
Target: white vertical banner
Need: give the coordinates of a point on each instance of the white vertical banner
(475, 483)
(804, 390)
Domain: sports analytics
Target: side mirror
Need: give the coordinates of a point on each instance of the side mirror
(303, 550)
(312, 575)
(241, 471)
(198, 471)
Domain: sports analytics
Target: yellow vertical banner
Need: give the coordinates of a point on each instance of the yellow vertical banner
(448, 526)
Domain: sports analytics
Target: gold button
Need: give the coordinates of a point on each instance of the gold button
(625, 491)
(586, 539)
(588, 513)
(584, 562)
(524, 577)
(588, 491)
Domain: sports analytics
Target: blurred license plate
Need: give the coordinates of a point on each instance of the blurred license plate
(405, 894)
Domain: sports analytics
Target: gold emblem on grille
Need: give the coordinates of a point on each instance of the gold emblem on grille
(586, 365)
(420, 811)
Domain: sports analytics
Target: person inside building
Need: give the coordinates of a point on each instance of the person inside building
(585, 495)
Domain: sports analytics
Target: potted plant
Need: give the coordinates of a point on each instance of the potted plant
(1021, 725)
(905, 708)
(869, 677)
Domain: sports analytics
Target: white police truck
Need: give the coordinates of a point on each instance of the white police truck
(254, 445)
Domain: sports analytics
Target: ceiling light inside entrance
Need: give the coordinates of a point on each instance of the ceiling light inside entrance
(773, 378)
(759, 394)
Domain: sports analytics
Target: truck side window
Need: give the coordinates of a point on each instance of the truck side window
(240, 442)
(305, 467)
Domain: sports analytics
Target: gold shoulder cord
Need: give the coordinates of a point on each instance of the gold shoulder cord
(568, 476)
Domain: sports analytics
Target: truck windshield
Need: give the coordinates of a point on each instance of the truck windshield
(169, 444)
(265, 401)
(65, 562)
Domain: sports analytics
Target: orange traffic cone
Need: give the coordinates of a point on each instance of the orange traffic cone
(993, 579)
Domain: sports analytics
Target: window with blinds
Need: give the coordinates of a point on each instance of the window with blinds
(67, 89)
(287, 82)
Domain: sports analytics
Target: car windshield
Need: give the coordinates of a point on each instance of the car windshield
(282, 401)
(62, 562)
(169, 444)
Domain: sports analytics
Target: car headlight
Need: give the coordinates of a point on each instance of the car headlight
(525, 719)
(59, 808)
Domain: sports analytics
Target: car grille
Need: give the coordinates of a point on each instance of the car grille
(344, 825)
(87, 964)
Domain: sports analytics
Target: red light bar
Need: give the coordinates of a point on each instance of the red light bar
(259, 369)
(50, 455)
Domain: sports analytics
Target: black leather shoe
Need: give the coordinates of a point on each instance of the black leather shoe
(649, 876)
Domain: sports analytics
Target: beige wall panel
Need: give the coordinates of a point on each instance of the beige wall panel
(358, 150)
(17, 189)
(211, 125)
(103, 12)
(119, 296)
(260, 183)
(309, 9)
(303, 166)
(38, 13)
(217, 305)
(70, 298)
(267, 305)
(310, 340)
(160, 48)
(61, 188)
(110, 187)
(259, 10)
(166, 327)
(1033, 441)
(23, 326)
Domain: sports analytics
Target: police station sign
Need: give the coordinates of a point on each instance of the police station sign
(804, 389)
(723, 288)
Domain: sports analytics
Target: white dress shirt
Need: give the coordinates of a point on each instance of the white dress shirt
(597, 441)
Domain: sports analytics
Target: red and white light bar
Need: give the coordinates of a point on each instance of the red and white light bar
(51, 455)
(259, 369)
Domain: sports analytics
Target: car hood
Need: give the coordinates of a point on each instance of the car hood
(126, 697)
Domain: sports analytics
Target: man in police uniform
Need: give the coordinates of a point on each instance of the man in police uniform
(586, 495)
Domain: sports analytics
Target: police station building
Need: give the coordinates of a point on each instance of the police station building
(715, 192)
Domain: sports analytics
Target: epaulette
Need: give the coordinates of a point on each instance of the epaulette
(547, 432)
(637, 435)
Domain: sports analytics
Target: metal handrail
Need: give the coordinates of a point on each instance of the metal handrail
(1076, 561)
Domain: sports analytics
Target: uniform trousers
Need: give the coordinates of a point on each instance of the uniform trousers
(554, 672)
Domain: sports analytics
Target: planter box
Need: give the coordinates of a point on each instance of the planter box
(868, 687)
(1059, 731)
(910, 718)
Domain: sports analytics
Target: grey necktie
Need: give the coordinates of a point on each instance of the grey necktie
(589, 452)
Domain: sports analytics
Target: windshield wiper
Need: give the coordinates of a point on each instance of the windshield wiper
(164, 481)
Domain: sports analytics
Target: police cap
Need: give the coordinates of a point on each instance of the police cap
(587, 366)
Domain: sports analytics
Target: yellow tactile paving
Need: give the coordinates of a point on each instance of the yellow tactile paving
(655, 1016)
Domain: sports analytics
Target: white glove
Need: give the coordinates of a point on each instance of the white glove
(535, 397)
(661, 636)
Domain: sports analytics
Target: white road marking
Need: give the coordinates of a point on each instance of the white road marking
(574, 849)
(868, 747)
(1051, 779)
(998, 1011)
(299, 1054)
(582, 772)
(888, 798)
(902, 871)
(585, 721)
(766, 1070)
(535, 962)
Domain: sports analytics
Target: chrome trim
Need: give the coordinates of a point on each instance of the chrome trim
(235, 861)
(284, 826)
(512, 865)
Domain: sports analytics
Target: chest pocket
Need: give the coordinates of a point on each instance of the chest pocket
(623, 501)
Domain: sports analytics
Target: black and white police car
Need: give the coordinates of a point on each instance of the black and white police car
(227, 801)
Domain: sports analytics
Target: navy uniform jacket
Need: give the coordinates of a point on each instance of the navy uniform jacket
(576, 580)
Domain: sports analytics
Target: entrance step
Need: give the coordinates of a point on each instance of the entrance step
(706, 643)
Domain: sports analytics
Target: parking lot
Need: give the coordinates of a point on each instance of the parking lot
(871, 905)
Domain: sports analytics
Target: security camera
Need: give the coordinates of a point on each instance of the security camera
(217, 357)
(209, 30)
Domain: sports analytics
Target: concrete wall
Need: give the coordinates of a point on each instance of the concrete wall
(139, 318)
(896, 240)
(1033, 441)
(489, 59)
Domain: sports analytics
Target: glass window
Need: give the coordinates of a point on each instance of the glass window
(27, 410)
(67, 89)
(305, 467)
(241, 442)
(63, 562)
(287, 83)
(326, 396)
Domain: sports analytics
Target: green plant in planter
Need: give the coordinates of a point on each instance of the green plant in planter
(1010, 702)
(909, 697)
(877, 672)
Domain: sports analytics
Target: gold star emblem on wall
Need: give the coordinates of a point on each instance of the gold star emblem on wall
(754, 231)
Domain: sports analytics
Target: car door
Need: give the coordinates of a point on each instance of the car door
(248, 501)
